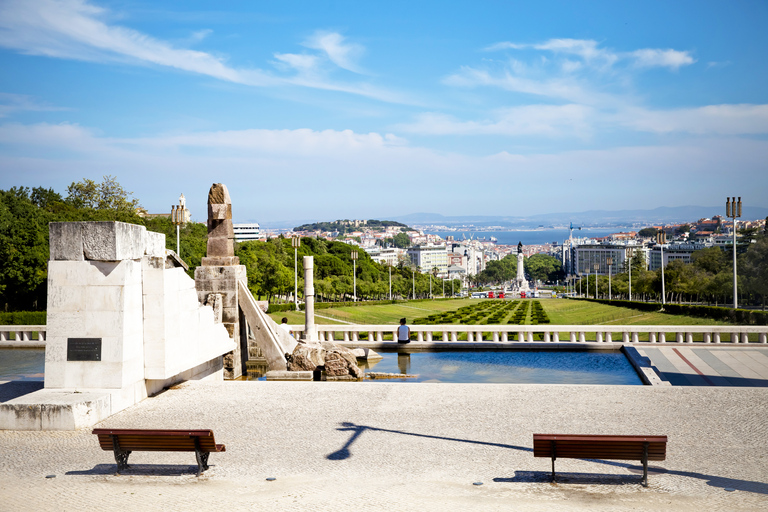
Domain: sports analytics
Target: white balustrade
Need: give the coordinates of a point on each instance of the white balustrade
(452, 333)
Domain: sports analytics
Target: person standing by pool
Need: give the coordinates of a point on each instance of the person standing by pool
(403, 332)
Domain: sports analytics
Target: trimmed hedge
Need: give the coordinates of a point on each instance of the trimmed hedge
(23, 318)
(734, 316)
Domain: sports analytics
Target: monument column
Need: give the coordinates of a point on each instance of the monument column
(310, 331)
(219, 273)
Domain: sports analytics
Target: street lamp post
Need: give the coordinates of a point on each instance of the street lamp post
(733, 210)
(609, 261)
(295, 243)
(630, 253)
(354, 276)
(389, 266)
(179, 216)
(597, 267)
(579, 284)
(413, 278)
(587, 281)
(661, 239)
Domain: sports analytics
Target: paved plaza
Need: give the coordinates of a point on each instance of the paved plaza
(400, 446)
(709, 365)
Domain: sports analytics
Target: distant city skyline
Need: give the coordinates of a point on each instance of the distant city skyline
(329, 110)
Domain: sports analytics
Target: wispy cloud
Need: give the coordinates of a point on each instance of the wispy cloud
(341, 53)
(77, 29)
(595, 56)
(10, 103)
(536, 120)
(52, 155)
(743, 119)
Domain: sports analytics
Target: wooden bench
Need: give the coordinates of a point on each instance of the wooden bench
(642, 448)
(124, 441)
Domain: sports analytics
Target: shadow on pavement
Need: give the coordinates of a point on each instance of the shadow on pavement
(139, 470)
(16, 388)
(571, 478)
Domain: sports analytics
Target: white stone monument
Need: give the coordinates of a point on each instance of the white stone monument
(121, 326)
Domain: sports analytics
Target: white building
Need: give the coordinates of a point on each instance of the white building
(246, 232)
(387, 255)
(587, 255)
(673, 252)
(428, 257)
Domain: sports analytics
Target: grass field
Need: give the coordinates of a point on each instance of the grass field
(560, 312)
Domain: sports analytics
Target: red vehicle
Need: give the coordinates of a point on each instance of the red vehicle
(490, 295)
(501, 295)
(522, 295)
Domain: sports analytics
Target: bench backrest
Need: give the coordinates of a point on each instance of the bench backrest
(158, 440)
(599, 447)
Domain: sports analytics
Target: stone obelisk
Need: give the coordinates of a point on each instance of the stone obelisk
(217, 276)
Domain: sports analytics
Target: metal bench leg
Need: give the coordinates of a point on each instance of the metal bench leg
(121, 456)
(645, 464)
(554, 456)
(202, 458)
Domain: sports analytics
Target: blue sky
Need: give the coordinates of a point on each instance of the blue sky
(325, 110)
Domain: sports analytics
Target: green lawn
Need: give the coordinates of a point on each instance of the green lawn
(574, 312)
(378, 314)
(559, 311)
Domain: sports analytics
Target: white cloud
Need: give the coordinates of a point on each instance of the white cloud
(540, 120)
(595, 56)
(76, 29)
(279, 174)
(301, 63)
(10, 103)
(742, 119)
(672, 59)
(340, 53)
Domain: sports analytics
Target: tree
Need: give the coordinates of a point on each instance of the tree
(401, 240)
(647, 232)
(754, 268)
(107, 195)
(542, 267)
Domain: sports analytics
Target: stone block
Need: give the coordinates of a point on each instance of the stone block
(155, 246)
(103, 298)
(66, 298)
(230, 315)
(218, 229)
(219, 212)
(66, 241)
(113, 241)
(220, 247)
(15, 416)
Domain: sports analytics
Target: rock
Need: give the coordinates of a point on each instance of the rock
(336, 360)
(380, 375)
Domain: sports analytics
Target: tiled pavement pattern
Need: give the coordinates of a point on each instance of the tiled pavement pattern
(686, 365)
(405, 447)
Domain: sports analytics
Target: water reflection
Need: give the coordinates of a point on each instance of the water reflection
(505, 366)
(404, 362)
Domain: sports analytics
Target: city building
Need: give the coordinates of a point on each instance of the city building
(672, 252)
(386, 255)
(246, 232)
(427, 257)
(586, 255)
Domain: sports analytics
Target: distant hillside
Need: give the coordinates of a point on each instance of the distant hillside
(347, 226)
(617, 218)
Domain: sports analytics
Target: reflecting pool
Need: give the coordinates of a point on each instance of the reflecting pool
(509, 367)
(22, 364)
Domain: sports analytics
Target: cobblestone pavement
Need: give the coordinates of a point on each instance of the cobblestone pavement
(393, 446)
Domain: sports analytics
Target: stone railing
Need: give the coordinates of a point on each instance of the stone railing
(497, 333)
(547, 333)
(23, 335)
